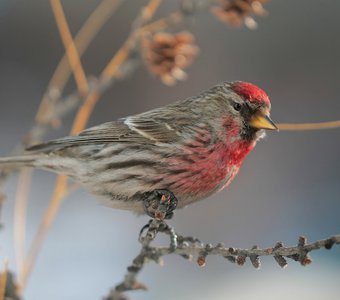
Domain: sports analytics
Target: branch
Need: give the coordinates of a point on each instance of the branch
(82, 40)
(309, 126)
(61, 182)
(187, 247)
(19, 218)
(70, 47)
(81, 118)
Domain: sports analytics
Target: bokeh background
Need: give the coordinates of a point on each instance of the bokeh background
(288, 186)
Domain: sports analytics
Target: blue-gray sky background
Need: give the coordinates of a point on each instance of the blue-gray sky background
(289, 185)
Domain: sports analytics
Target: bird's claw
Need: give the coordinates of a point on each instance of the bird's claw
(160, 204)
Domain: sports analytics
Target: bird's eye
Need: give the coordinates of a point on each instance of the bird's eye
(237, 106)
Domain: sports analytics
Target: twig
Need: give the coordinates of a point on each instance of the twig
(49, 215)
(146, 14)
(130, 280)
(21, 200)
(71, 50)
(187, 247)
(297, 253)
(62, 73)
(45, 115)
(61, 182)
(309, 126)
(114, 65)
(78, 124)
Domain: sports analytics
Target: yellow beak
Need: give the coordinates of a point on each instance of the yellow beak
(261, 120)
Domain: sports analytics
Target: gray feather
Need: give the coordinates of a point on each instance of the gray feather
(135, 129)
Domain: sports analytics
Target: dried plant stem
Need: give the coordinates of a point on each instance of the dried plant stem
(61, 182)
(79, 124)
(71, 50)
(84, 112)
(82, 40)
(86, 34)
(112, 68)
(21, 200)
(3, 280)
(51, 211)
(309, 126)
(146, 14)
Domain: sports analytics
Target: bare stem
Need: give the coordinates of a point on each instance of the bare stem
(70, 47)
(50, 214)
(21, 201)
(309, 126)
(187, 247)
(146, 14)
(79, 124)
(114, 66)
(62, 73)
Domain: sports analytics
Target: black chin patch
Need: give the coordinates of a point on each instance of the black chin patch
(249, 133)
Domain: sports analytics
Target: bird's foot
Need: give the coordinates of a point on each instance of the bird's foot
(160, 204)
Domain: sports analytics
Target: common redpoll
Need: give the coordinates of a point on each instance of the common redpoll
(189, 149)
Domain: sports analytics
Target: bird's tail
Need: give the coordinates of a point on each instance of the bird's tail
(18, 161)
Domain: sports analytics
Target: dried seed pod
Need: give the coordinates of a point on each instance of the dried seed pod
(167, 55)
(238, 12)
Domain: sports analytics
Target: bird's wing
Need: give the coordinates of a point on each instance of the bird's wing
(131, 129)
(137, 129)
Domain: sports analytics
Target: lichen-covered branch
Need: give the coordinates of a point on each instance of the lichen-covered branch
(188, 247)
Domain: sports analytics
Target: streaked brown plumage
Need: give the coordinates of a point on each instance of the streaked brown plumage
(192, 148)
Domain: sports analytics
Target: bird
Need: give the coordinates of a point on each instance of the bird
(182, 152)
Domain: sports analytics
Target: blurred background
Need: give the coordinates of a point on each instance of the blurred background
(288, 186)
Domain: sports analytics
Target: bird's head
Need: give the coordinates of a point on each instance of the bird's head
(249, 109)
